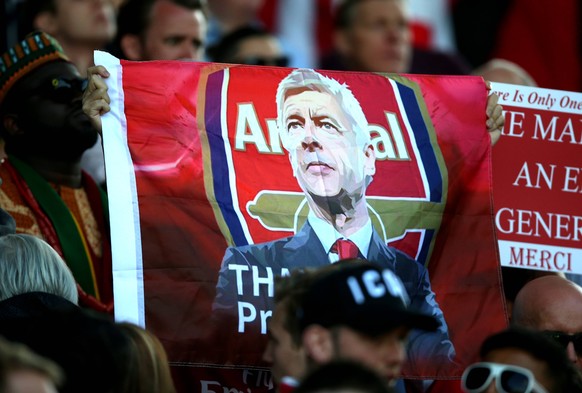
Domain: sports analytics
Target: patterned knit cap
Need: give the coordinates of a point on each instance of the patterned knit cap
(34, 50)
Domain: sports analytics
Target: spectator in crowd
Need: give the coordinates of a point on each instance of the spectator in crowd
(23, 371)
(553, 305)
(505, 71)
(161, 30)
(522, 361)
(79, 26)
(29, 264)
(249, 45)
(514, 280)
(37, 308)
(44, 188)
(376, 36)
(149, 369)
(345, 376)
(355, 310)
(284, 351)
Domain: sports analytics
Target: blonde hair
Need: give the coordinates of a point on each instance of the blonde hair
(149, 371)
(18, 357)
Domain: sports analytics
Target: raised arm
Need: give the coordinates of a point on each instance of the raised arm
(495, 117)
(95, 98)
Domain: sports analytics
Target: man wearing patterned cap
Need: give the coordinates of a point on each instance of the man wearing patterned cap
(44, 188)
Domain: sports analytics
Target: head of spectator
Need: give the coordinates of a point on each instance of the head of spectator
(79, 26)
(23, 371)
(505, 71)
(513, 281)
(46, 134)
(284, 351)
(249, 45)
(522, 361)
(357, 310)
(343, 376)
(7, 224)
(552, 304)
(42, 119)
(374, 35)
(149, 369)
(92, 351)
(161, 30)
(29, 264)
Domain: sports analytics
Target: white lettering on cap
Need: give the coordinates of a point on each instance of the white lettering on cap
(356, 290)
(376, 285)
(395, 286)
(372, 282)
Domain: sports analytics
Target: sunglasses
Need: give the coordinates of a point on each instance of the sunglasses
(564, 339)
(281, 61)
(63, 90)
(508, 379)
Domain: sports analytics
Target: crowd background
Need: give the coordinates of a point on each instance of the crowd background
(543, 37)
(533, 43)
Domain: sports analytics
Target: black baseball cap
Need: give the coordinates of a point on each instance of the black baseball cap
(363, 296)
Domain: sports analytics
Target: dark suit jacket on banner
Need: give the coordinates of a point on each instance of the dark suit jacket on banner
(245, 286)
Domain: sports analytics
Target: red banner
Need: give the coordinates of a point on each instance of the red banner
(222, 177)
(538, 179)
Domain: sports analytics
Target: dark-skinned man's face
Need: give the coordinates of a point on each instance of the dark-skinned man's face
(46, 114)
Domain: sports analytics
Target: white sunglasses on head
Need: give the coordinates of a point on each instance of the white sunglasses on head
(508, 379)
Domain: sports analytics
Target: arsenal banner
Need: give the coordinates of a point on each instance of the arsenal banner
(223, 177)
(538, 179)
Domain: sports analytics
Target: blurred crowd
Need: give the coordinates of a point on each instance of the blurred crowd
(56, 328)
(418, 36)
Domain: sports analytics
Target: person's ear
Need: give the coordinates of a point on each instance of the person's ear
(318, 343)
(370, 160)
(131, 47)
(10, 123)
(46, 22)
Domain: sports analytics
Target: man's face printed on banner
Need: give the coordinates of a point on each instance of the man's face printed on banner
(324, 153)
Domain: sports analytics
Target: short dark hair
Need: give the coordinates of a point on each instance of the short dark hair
(343, 374)
(344, 13)
(134, 15)
(289, 293)
(225, 50)
(564, 375)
